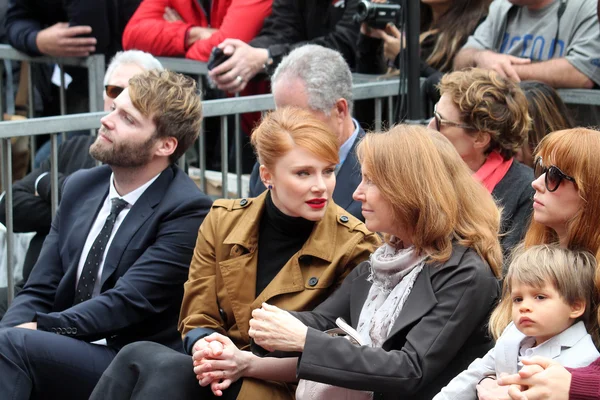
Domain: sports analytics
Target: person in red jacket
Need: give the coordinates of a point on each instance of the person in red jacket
(191, 28)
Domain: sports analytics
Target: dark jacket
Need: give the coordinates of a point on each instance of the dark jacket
(25, 18)
(347, 180)
(144, 269)
(293, 23)
(439, 331)
(515, 195)
(33, 212)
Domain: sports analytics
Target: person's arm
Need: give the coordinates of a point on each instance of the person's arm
(545, 379)
(243, 20)
(430, 345)
(557, 72)
(199, 316)
(464, 384)
(283, 32)
(582, 51)
(146, 288)
(147, 30)
(22, 27)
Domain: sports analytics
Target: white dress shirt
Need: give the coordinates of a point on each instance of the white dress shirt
(130, 198)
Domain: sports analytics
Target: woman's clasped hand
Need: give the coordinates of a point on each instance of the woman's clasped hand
(275, 329)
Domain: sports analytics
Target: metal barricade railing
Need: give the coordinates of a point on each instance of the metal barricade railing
(373, 88)
(211, 108)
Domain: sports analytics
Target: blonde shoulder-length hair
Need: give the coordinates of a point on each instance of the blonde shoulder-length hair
(431, 190)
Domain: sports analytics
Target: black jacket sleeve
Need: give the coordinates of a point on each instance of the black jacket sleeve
(290, 26)
(22, 27)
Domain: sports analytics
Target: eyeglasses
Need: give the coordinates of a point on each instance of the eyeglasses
(554, 175)
(439, 121)
(113, 91)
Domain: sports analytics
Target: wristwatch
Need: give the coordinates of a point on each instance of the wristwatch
(268, 65)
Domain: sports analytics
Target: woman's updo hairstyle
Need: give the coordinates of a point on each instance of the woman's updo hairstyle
(284, 128)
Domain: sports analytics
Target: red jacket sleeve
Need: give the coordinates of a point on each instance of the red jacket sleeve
(242, 19)
(148, 31)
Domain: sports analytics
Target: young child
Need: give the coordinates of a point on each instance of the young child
(553, 299)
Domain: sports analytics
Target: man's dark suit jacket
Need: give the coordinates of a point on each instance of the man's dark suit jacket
(144, 269)
(347, 180)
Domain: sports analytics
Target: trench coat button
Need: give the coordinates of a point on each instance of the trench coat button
(68, 331)
(53, 330)
(312, 282)
(243, 202)
(344, 218)
(74, 331)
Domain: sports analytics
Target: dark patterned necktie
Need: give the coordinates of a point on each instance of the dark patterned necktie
(87, 280)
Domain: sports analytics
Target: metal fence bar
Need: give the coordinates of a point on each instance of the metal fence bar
(30, 112)
(184, 65)
(54, 172)
(224, 157)
(580, 96)
(238, 152)
(7, 185)
(378, 114)
(9, 53)
(390, 107)
(96, 69)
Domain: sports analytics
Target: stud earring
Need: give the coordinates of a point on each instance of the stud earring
(270, 187)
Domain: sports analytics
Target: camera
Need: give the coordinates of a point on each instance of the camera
(377, 15)
(217, 57)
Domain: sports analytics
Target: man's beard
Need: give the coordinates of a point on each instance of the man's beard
(124, 154)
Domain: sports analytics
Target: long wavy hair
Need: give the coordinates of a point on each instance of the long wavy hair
(574, 151)
(453, 28)
(431, 190)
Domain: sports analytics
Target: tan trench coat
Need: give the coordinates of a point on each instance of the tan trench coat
(220, 292)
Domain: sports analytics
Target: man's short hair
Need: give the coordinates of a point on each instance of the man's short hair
(145, 61)
(173, 103)
(325, 73)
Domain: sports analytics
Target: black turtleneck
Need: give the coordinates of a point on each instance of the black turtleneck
(279, 238)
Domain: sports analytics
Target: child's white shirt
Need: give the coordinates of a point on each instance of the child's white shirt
(572, 348)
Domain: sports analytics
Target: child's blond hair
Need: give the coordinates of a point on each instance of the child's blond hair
(571, 272)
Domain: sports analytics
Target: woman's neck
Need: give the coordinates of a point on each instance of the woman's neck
(475, 162)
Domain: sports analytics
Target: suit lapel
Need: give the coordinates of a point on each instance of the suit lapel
(360, 290)
(348, 178)
(420, 301)
(137, 216)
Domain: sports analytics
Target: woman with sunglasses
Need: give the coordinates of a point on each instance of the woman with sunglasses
(566, 210)
(486, 118)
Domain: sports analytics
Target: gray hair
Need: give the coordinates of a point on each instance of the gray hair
(140, 58)
(325, 73)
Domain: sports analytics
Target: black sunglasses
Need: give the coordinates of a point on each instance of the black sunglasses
(113, 91)
(553, 175)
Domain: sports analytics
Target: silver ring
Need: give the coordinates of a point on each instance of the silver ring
(239, 79)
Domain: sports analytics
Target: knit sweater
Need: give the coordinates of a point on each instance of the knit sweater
(585, 382)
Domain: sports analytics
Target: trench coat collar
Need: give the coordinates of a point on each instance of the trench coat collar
(321, 242)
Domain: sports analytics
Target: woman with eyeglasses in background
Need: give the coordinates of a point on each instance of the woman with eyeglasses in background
(485, 117)
(566, 210)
